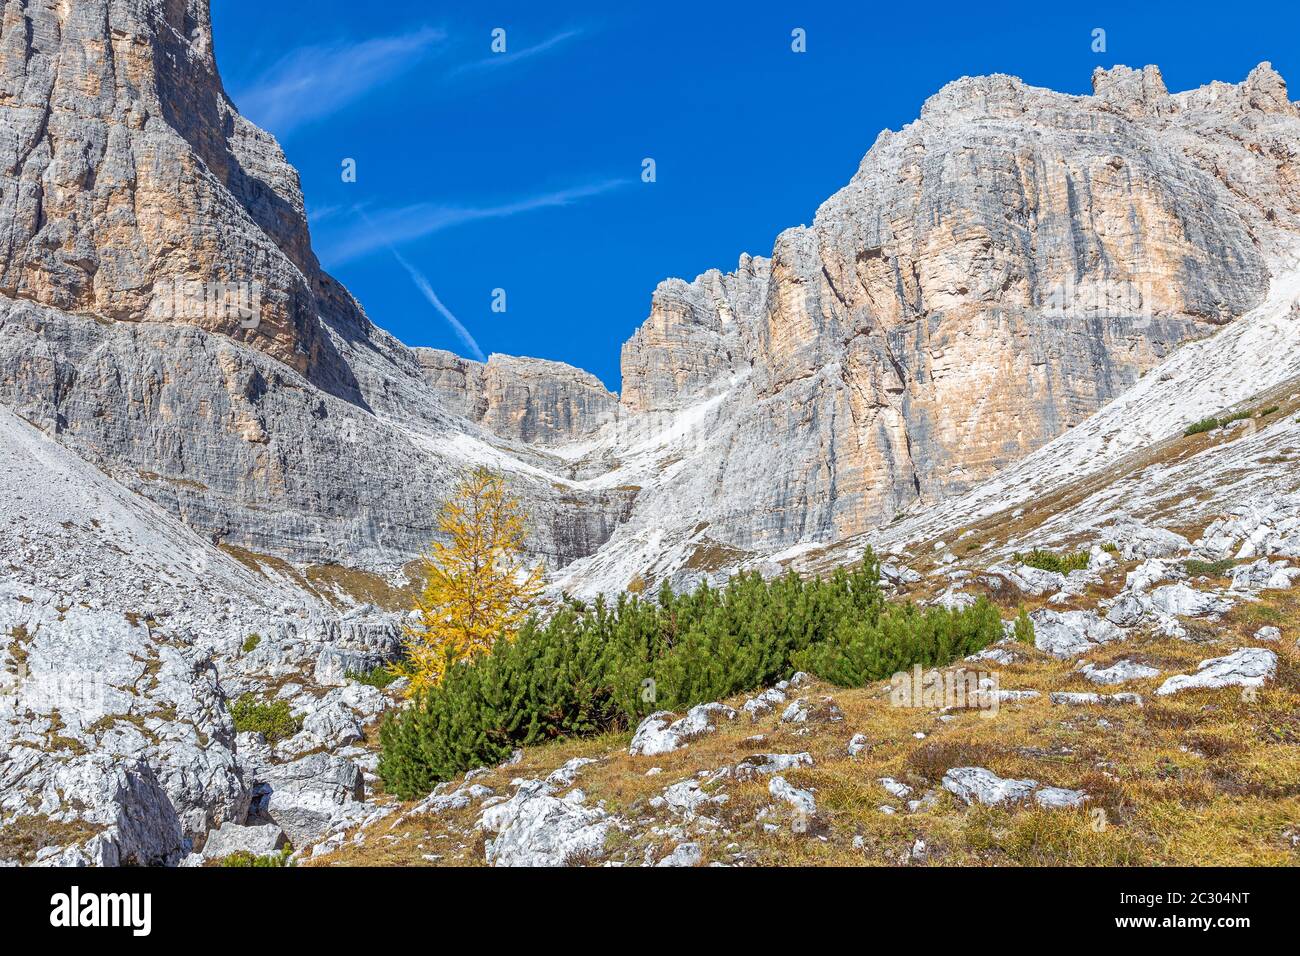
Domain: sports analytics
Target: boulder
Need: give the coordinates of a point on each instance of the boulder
(978, 785)
(1179, 600)
(1057, 798)
(660, 734)
(1121, 672)
(766, 764)
(1095, 700)
(803, 801)
(684, 854)
(533, 828)
(1136, 540)
(307, 796)
(258, 839)
(1264, 575)
(1069, 633)
(1248, 667)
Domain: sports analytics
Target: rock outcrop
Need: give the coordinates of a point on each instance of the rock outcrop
(529, 400)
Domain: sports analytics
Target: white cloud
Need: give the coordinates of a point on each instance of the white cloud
(402, 224)
(498, 60)
(313, 82)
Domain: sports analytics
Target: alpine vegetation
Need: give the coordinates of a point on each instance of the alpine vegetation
(593, 667)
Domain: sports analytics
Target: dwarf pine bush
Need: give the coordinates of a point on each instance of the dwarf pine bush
(1024, 628)
(1050, 561)
(601, 666)
(272, 719)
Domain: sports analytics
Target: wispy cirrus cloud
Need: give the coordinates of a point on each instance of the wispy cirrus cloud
(500, 60)
(392, 227)
(313, 82)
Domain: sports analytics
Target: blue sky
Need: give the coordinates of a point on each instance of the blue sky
(522, 171)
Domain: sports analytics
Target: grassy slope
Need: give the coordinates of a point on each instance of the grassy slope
(1203, 777)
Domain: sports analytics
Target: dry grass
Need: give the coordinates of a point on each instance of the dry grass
(339, 585)
(1201, 778)
(27, 835)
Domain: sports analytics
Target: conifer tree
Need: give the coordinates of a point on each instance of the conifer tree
(478, 589)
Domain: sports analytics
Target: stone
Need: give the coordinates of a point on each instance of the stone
(533, 828)
(1121, 672)
(1030, 580)
(306, 797)
(1070, 633)
(1263, 575)
(333, 725)
(457, 799)
(1056, 798)
(1136, 540)
(259, 840)
(857, 744)
(565, 775)
(660, 734)
(1128, 609)
(803, 801)
(684, 854)
(1095, 700)
(1148, 573)
(763, 704)
(765, 764)
(894, 788)
(1183, 601)
(1268, 633)
(686, 797)
(1248, 667)
(978, 785)
(806, 711)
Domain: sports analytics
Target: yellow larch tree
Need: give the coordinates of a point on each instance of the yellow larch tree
(478, 589)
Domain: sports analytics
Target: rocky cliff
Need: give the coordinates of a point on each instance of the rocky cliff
(993, 274)
(530, 400)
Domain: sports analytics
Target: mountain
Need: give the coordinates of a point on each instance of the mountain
(993, 274)
(218, 469)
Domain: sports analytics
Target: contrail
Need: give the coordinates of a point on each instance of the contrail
(422, 284)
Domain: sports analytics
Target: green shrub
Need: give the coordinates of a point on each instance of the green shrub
(1268, 411)
(1196, 567)
(251, 642)
(1050, 561)
(243, 858)
(902, 635)
(597, 667)
(1204, 425)
(273, 720)
(1110, 547)
(1209, 424)
(1024, 630)
(380, 676)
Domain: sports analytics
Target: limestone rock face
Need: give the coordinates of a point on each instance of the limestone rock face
(994, 273)
(119, 153)
(530, 400)
(693, 336)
